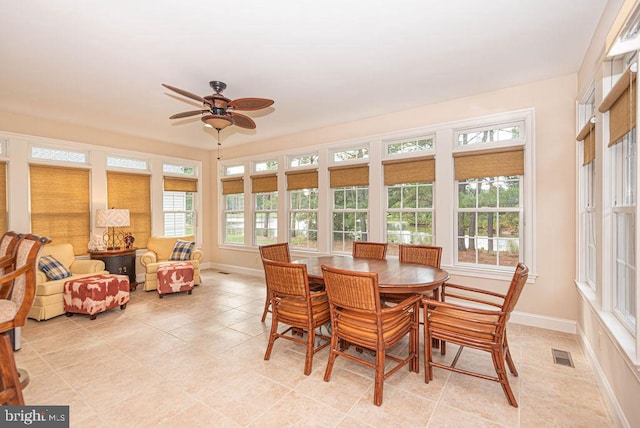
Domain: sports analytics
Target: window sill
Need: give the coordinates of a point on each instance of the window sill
(620, 337)
(479, 272)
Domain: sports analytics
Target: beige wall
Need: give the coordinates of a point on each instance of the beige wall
(553, 294)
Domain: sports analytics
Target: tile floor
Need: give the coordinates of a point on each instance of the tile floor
(197, 361)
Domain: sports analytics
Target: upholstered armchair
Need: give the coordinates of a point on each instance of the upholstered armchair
(49, 300)
(159, 252)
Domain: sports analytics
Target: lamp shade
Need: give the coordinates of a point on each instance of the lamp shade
(112, 218)
(217, 121)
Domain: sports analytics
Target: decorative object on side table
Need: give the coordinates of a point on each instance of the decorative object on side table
(129, 240)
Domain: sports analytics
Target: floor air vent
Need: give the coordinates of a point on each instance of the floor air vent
(562, 357)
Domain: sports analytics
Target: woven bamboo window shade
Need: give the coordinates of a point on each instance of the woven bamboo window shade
(264, 183)
(350, 175)
(3, 197)
(588, 135)
(175, 184)
(132, 192)
(231, 186)
(418, 170)
(621, 105)
(306, 179)
(60, 206)
(489, 163)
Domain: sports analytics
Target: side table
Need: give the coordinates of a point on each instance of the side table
(119, 262)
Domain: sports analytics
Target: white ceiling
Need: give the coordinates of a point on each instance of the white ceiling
(101, 63)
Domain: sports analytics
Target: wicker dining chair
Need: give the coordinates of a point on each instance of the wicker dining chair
(482, 325)
(358, 318)
(417, 254)
(370, 250)
(17, 292)
(293, 304)
(278, 253)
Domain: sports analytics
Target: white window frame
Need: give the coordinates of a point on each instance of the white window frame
(525, 118)
(335, 211)
(258, 211)
(172, 169)
(292, 211)
(409, 210)
(226, 211)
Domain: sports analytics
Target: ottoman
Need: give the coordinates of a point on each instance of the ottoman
(174, 278)
(94, 294)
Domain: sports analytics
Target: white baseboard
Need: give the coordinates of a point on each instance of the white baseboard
(611, 401)
(233, 269)
(543, 321)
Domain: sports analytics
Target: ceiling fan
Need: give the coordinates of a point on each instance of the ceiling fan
(220, 111)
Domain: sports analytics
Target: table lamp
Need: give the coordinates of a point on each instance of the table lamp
(110, 219)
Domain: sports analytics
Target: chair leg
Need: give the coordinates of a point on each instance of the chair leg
(332, 355)
(311, 338)
(428, 356)
(266, 306)
(498, 362)
(414, 342)
(507, 353)
(273, 334)
(379, 381)
(11, 393)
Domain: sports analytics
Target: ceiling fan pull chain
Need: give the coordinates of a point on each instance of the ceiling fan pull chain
(219, 144)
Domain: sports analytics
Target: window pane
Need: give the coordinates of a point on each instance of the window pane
(487, 194)
(481, 136)
(303, 218)
(467, 194)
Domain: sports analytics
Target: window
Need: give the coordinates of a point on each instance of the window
(489, 206)
(133, 192)
(490, 134)
(351, 154)
(409, 208)
(57, 154)
(269, 165)
(587, 225)
(489, 216)
(303, 208)
(266, 218)
(178, 206)
(60, 206)
(622, 199)
(303, 160)
(350, 210)
(233, 170)
(129, 163)
(265, 193)
(624, 214)
(178, 199)
(420, 144)
(233, 218)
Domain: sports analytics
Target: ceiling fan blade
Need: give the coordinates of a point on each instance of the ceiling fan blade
(243, 121)
(250, 103)
(188, 113)
(185, 93)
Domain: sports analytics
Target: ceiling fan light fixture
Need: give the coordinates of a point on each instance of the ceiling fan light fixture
(217, 121)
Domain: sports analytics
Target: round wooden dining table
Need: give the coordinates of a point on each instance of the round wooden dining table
(393, 276)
